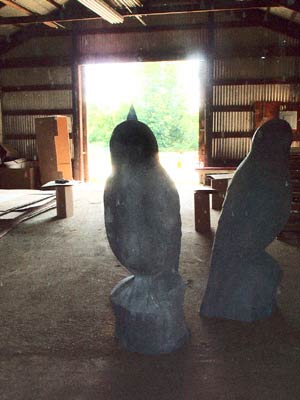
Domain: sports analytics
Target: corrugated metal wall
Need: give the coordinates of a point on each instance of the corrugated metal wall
(234, 122)
(239, 56)
(230, 148)
(283, 67)
(250, 38)
(237, 124)
(226, 95)
(20, 101)
(142, 45)
(41, 47)
(37, 100)
(35, 76)
(240, 123)
(233, 99)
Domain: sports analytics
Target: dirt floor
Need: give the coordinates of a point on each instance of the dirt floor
(57, 327)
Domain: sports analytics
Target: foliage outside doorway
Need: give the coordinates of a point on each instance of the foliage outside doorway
(166, 97)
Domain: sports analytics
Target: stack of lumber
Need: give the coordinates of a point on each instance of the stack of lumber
(18, 205)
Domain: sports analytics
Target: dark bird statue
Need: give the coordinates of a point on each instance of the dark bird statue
(142, 210)
(244, 278)
(143, 226)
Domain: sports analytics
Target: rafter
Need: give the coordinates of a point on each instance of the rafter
(202, 7)
(162, 9)
(280, 25)
(290, 4)
(254, 16)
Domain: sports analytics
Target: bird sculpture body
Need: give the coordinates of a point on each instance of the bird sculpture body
(142, 210)
(243, 279)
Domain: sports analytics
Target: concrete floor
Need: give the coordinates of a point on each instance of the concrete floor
(57, 328)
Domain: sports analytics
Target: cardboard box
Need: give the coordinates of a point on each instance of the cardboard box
(21, 178)
(52, 137)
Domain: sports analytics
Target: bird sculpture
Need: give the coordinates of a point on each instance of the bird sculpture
(143, 226)
(243, 278)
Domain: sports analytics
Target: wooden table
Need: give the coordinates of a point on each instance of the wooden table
(204, 171)
(201, 208)
(64, 197)
(219, 182)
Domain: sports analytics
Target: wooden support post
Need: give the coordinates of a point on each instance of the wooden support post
(83, 125)
(208, 112)
(64, 201)
(77, 133)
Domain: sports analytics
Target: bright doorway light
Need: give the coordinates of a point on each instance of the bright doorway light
(166, 96)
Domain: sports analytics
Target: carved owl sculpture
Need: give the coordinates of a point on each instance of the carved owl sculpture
(142, 209)
(244, 277)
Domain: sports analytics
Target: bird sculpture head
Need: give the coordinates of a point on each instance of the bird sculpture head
(132, 143)
(272, 140)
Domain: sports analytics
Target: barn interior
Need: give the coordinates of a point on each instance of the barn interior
(57, 269)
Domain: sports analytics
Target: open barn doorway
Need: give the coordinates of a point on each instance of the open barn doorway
(166, 97)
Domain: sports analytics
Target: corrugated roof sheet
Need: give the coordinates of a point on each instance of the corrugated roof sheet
(39, 7)
(35, 6)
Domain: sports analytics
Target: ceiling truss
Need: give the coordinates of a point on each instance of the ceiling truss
(247, 13)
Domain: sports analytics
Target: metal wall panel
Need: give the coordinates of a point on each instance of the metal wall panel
(225, 95)
(38, 100)
(41, 47)
(250, 37)
(232, 122)
(31, 100)
(137, 44)
(26, 148)
(257, 68)
(246, 67)
(35, 76)
(230, 148)
(176, 19)
(20, 124)
(226, 17)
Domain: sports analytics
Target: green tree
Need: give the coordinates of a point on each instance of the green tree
(161, 104)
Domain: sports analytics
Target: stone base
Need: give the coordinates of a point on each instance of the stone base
(149, 313)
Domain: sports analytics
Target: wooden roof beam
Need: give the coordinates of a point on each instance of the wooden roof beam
(202, 6)
(290, 4)
(280, 25)
(166, 9)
